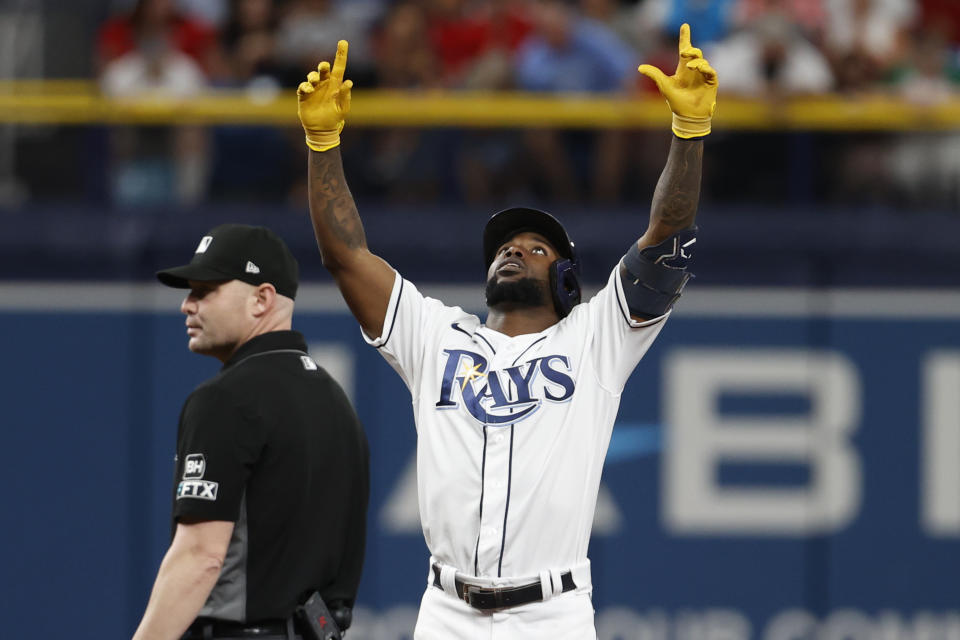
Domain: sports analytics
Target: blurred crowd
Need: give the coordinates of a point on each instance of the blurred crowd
(761, 48)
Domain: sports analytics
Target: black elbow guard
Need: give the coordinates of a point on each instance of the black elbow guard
(653, 278)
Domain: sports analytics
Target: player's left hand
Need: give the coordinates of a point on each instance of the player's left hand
(691, 91)
(323, 101)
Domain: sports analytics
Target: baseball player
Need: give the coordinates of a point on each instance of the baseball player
(513, 414)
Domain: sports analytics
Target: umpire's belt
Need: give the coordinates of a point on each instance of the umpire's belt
(266, 630)
(486, 598)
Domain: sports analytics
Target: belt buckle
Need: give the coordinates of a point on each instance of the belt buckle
(468, 590)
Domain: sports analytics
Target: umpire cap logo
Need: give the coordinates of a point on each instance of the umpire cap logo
(194, 466)
(204, 244)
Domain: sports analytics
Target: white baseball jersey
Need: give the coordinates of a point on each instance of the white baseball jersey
(512, 432)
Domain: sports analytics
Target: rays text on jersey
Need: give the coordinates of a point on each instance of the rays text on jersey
(505, 396)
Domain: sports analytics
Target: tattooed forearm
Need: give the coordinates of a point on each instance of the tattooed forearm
(333, 212)
(678, 190)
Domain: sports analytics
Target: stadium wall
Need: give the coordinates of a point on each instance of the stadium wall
(784, 464)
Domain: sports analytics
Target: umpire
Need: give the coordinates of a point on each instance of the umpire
(272, 467)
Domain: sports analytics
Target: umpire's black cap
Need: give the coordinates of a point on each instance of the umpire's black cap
(238, 252)
(505, 224)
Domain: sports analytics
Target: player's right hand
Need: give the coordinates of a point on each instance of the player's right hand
(691, 91)
(323, 101)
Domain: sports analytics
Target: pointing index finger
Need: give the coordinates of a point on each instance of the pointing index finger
(684, 37)
(340, 62)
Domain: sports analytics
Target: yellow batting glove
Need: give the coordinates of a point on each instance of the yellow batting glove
(691, 92)
(323, 101)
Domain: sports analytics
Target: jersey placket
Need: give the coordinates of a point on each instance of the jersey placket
(495, 499)
(493, 535)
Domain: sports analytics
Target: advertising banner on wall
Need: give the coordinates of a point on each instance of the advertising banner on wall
(785, 464)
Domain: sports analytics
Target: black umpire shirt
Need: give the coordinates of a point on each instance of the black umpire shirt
(272, 444)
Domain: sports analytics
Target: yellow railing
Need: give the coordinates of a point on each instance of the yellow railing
(78, 102)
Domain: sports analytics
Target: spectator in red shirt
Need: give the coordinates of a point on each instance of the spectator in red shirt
(155, 53)
(471, 41)
(151, 19)
(941, 16)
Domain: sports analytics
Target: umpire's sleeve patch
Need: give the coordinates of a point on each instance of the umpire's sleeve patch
(199, 489)
(193, 485)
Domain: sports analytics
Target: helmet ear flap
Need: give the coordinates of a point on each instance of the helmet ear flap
(564, 286)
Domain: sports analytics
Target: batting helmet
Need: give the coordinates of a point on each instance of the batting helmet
(564, 272)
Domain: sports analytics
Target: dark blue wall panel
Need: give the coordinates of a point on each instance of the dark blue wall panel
(91, 402)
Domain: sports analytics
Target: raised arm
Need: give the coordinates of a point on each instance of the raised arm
(677, 195)
(691, 94)
(654, 272)
(364, 279)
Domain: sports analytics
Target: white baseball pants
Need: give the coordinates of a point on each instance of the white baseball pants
(568, 616)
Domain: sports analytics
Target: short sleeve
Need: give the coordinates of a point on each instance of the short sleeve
(618, 341)
(411, 322)
(216, 449)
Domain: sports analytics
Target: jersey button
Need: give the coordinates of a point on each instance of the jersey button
(498, 437)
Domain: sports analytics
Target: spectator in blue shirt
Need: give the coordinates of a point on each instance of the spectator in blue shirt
(570, 54)
(711, 20)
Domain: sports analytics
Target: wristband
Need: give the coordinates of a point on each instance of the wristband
(690, 127)
(324, 140)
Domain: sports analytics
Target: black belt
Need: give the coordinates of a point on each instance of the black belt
(210, 628)
(485, 598)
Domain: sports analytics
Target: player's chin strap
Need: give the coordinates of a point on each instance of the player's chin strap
(653, 278)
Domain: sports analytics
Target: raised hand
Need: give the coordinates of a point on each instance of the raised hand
(323, 101)
(691, 91)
